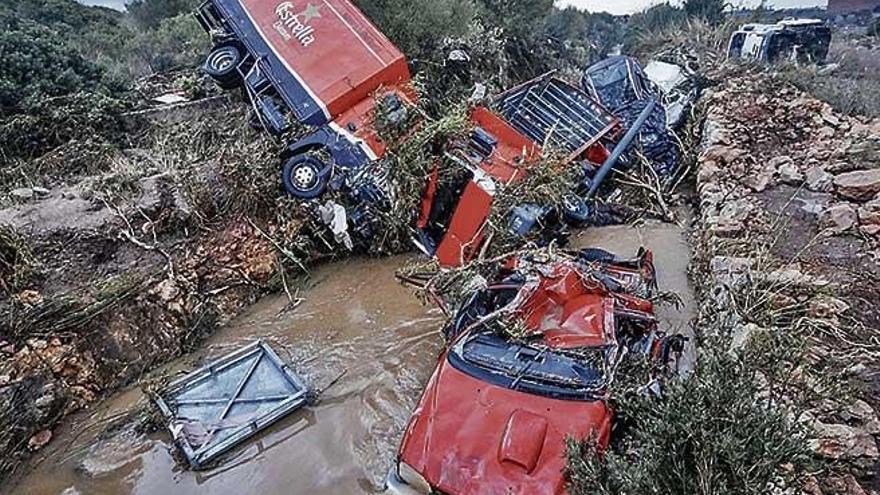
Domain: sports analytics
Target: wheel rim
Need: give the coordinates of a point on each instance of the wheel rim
(223, 60)
(304, 177)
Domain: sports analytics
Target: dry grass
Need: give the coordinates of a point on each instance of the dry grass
(853, 87)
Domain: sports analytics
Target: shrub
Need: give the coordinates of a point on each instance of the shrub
(852, 87)
(419, 27)
(851, 96)
(36, 64)
(150, 13)
(708, 10)
(177, 41)
(717, 432)
(82, 116)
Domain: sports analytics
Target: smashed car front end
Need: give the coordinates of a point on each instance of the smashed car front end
(471, 434)
(506, 394)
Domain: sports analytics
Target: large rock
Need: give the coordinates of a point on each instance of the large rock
(839, 218)
(790, 174)
(819, 180)
(865, 152)
(860, 185)
(761, 179)
(838, 441)
(842, 485)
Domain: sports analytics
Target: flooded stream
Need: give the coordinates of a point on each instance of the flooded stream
(356, 324)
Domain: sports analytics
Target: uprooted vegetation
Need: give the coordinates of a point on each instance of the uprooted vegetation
(163, 231)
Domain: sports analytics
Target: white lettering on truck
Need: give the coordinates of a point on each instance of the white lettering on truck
(296, 25)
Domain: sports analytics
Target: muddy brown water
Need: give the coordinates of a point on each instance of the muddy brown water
(355, 319)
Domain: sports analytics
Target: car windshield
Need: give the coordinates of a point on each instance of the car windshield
(528, 368)
(609, 76)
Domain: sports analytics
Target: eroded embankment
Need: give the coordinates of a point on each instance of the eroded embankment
(788, 229)
(356, 328)
(109, 271)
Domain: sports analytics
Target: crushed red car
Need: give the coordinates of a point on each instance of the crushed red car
(495, 414)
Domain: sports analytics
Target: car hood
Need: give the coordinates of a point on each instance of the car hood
(469, 437)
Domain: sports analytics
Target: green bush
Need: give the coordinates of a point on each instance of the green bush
(149, 14)
(49, 123)
(419, 27)
(708, 10)
(177, 41)
(874, 30)
(718, 432)
(36, 64)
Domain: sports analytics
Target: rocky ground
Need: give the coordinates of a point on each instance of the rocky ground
(789, 242)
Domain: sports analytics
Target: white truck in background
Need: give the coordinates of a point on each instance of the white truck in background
(789, 40)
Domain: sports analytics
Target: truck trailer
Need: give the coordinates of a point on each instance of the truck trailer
(320, 63)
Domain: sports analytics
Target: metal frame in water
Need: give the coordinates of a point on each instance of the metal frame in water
(218, 406)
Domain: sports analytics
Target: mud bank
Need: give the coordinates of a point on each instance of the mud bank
(357, 324)
(788, 223)
(110, 271)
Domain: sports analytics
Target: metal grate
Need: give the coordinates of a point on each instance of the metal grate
(215, 408)
(553, 113)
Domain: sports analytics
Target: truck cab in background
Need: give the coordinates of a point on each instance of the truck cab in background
(795, 40)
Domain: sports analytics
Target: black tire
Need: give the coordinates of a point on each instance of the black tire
(222, 65)
(575, 210)
(304, 176)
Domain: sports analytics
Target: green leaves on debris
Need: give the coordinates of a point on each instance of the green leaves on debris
(714, 432)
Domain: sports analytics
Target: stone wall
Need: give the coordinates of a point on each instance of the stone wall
(789, 196)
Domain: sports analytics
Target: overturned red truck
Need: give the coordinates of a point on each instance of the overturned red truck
(325, 65)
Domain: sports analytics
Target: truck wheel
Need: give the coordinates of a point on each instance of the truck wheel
(304, 176)
(222, 65)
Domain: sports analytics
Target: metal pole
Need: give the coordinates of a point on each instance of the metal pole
(620, 148)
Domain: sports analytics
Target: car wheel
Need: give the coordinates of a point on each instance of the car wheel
(304, 176)
(222, 65)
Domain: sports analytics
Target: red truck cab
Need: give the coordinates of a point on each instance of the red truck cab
(542, 118)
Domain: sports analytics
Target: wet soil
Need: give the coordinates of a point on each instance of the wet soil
(355, 319)
(845, 260)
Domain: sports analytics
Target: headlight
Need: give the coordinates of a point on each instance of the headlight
(412, 478)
